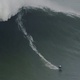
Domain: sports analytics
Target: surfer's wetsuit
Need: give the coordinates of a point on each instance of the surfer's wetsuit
(60, 68)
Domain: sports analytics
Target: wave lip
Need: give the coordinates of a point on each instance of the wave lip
(10, 8)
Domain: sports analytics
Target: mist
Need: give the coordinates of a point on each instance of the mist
(10, 8)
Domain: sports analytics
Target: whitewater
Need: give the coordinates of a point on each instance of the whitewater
(9, 8)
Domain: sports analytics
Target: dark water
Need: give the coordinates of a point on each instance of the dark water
(57, 38)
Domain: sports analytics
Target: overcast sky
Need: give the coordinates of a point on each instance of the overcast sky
(72, 4)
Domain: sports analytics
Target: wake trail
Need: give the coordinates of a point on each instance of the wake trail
(31, 44)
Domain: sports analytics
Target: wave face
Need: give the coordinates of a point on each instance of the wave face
(35, 41)
(31, 43)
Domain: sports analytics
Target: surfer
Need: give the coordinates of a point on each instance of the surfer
(60, 68)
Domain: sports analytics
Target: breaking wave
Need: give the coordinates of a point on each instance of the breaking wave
(10, 8)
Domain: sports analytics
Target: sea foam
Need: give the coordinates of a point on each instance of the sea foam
(10, 8)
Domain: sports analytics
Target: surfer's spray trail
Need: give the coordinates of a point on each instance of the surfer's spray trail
(31, 43)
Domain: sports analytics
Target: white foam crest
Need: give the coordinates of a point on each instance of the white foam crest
(31, 43)
(9, 8)
(47, 63)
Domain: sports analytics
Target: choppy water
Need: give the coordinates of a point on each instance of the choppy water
(35, 42)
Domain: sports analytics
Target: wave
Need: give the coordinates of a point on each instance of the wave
(53, 37)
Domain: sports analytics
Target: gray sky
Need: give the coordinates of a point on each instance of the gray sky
(70, 4)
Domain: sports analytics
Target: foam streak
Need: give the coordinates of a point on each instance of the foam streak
(31, 43)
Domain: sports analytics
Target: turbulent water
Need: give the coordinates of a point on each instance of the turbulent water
(35, 41)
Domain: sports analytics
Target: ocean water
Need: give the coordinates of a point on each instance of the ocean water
(36, 41)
